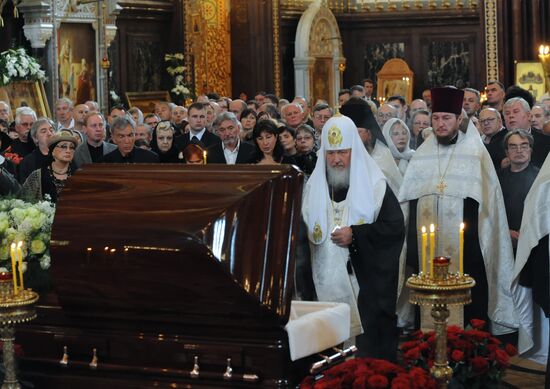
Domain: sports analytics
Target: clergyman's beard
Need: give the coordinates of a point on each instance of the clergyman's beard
(446, 140)
(338, 178)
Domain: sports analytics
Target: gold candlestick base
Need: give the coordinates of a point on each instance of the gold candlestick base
(14, 309)
(440, 291)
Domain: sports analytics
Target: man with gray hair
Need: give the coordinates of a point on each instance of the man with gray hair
(231, 150)
(41, 132)
(385, 113)
(471, 103)
(22, 146)
(517, 114)
(123, 134)
(237, 107)
(4, 111)
(64, 113)
(493, 133)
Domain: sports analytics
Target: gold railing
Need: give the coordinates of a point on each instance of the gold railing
(358, 6)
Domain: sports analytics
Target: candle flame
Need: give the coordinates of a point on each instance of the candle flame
(432, 228)
(13, 246)
(19, 244)
(462, 225)
(423, 229)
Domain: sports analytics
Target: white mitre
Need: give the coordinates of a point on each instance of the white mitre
(367, 182)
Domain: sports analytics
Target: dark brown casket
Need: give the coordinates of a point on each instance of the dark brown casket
(154, 265)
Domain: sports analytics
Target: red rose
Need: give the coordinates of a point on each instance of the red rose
(423, 346)
(378, 381)
(477, 324)
(477, 334)
(419, 377)
(510, 349)
(457, 355)
(502, 357)
(413, 353)
(479, 364)
(400, 383)
(454, 330)
(384, 367)
(360, 383)
(408, 345)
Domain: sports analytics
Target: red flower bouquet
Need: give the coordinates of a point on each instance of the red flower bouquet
(478, 359)
(368, 373)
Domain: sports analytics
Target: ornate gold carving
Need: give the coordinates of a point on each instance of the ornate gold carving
(335, 136)
(491, 43)
(276, 51)
(207, 45)
(320, 41)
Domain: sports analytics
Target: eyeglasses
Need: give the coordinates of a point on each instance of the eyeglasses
(427, 124)
(487, 121)
(322, 117)
(384, 115)
(301, 138)
(522, 147)
(66, 147)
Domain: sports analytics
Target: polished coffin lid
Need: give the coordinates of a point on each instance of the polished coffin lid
(177, 244)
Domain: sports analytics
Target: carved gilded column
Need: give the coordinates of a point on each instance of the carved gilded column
(208, 45)
(491, 42)
(276, 49)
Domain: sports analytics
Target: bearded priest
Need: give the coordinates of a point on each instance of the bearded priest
(451, 180)
(355, 230)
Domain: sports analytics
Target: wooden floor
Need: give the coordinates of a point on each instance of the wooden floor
(524, 374)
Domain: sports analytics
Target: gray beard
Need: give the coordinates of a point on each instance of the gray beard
(338, 178)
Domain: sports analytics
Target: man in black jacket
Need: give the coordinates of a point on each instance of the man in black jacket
(198, 133)
(124, 136)
(231, 150)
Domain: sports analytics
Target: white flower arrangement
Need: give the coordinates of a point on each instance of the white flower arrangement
(176, 69)
(27, 222)
(17, 65)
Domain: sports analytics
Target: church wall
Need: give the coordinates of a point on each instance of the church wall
(251, 46)
(144, 35)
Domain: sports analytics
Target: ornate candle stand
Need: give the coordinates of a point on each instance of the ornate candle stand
(439, 291)
(14, 309)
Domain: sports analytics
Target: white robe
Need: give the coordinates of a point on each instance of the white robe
(468, 173)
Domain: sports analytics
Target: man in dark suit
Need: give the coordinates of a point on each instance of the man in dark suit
(231, 150)
(198, 134)
(124, 136)
(94, 148)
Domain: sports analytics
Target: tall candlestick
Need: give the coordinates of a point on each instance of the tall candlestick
(432, 249)
(14, 267)
(20, 266)
(424, 244)
(461, 249)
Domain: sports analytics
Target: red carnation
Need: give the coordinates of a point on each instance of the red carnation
(400, 383)
(378, 381)
(360, 383)
(408, 345)
(457, 355)
(479, 364)
(502, 357)
(413, 353)
(477, 324)
(510, 349)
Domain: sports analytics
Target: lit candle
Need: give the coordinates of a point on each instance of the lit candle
(20, 267)
(424, 244)
(204, 157)
(461, 249)
(13, 267)
(432, 249)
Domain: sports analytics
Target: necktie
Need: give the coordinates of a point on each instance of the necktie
(194, 139)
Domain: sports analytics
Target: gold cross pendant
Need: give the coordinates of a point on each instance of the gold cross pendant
(441, 187)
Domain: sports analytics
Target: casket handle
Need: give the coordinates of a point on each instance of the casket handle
(93, 363)
(196, 368)
(228, 370)
(328, 361)
(65, 358)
